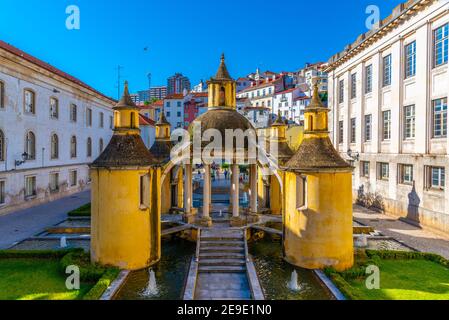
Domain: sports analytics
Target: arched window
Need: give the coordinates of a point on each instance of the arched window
(2, 146)
(29, 100)
(30, 145)
(2, 95)
(54, 146)
(222, 97)
(54, 108)
(89, 147)
(73, 147)
(310, 123)
(101, 146)
(133, 122)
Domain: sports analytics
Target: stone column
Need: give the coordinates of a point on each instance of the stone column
(236, 219)
(253, 198)
(206, 219)
(189, 215)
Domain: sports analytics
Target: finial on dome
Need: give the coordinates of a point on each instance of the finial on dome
(316, 100)
(126, 101)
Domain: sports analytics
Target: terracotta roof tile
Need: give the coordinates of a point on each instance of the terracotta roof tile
(11, 49)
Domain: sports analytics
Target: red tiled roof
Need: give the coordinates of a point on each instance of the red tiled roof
(262, 84)
(200, 94)
(145, 121)
(7, 47)
(174, 96)
(287, 91)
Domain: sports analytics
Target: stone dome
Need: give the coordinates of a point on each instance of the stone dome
(222, 118)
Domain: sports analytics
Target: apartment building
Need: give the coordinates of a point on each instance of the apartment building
(388, 96)
(52, 126)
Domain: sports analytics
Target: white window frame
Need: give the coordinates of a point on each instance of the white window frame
(301, 192)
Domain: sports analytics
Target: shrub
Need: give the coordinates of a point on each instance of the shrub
(37, 254)
(105, 281)
(83, 211)
(88, 272)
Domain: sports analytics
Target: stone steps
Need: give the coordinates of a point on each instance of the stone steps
(222, 244)
(222, 262)
(222, 255)
(221, 269)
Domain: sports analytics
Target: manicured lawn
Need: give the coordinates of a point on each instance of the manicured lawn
(403, 276)
(407, 280)
(34, 279)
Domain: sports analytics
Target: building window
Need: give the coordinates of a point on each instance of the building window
(436, 178)
(405, 174)
(73, 147)
(73, 178)
(101, 120)
(101, 146)
(73, 112)
(30, 187)
(54, 108)
(111, 122)
(2, 192)
(368, 79)
(54, 182)
(386, 125)
(439, 111)
(89, 147)
(29, 102)
(368, 127)
(340, 132)
(386, 81)
(364, 169)
(145, 191)
(409, 122)
(341, 91)
(178, 103)
(2, 146)
(383, 171)
(353, 130)
(89, 117)
(168, 113)
(410, 60)
(54, 152)
(353, 85)
(2, 95)
(301, 192)
(441, 45)
(30, 145)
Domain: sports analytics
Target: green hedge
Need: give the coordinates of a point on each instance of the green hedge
(103, 283)
(88, 272)
(37, 254)
(406, 255)
(83, 211)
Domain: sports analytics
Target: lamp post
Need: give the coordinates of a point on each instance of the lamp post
(24, 159)
(354, 155)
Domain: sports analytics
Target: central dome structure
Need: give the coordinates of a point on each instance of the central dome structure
(222, 112)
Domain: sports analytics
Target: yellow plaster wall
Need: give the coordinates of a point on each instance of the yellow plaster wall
(166, 195)
(275, 194)
(121, 228)
(321, 235)
(295, 136)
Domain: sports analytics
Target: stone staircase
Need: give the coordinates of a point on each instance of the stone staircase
(222, 252)
(222, 272)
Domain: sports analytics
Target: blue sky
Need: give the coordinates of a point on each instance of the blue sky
(182, 36)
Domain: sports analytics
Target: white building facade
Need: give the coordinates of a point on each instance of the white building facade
(52, 126)
(291, 103)
(388, 96)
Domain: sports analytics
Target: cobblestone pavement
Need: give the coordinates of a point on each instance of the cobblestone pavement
(19, 225)
(418, 238)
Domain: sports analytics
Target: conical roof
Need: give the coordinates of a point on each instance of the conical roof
(222, 72)
(316, 102)
(125, 150)
(125, 101)
(162, 119)
(278, 121)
